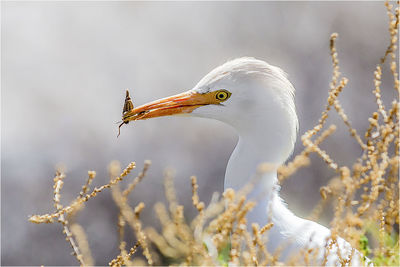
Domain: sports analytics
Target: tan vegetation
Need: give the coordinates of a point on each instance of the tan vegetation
(365, 196)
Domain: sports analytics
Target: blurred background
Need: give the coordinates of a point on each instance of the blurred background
(65, 68)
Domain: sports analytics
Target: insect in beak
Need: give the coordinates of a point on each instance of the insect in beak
(128, 106)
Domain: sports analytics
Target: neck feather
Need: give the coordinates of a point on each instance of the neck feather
(242, 168)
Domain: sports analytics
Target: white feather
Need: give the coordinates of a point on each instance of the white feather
(262, 111)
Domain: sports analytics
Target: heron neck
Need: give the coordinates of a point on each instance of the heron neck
(242, 167)
(253, 149)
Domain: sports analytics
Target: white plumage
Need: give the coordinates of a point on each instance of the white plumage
(258, 102)
(262, 111)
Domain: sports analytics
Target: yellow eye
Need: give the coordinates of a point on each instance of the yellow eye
(222, 95)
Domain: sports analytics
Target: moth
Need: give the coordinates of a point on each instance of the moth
(128, 106)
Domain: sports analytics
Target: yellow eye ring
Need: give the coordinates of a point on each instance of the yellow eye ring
(222, 95)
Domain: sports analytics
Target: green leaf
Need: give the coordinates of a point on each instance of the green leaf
(224, 255)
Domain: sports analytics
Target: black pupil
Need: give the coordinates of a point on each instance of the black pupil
(221, 95)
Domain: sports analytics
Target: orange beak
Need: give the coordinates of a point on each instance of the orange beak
(174, 105)
(178, 104)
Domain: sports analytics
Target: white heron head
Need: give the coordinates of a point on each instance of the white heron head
(246, 93)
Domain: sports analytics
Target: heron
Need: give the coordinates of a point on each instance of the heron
(257, 100)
